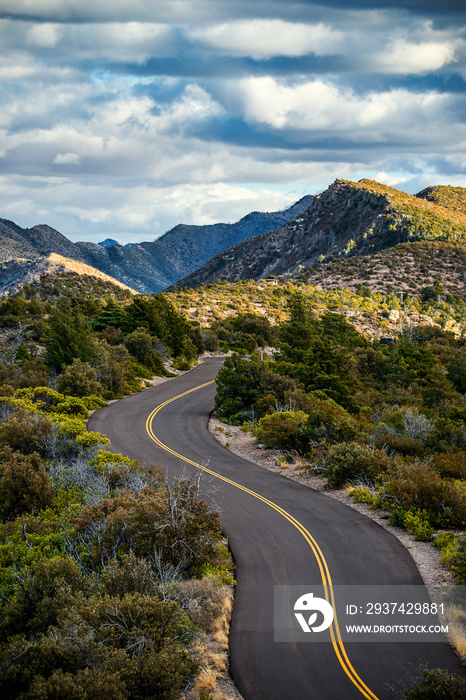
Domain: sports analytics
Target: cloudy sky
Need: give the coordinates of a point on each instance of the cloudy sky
(123, 118)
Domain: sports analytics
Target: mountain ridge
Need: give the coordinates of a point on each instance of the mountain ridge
(347, 219)
(149, 266)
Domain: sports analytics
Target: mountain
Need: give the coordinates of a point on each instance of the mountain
(192, 246)
(147, 267)
(16, 242)
(108, 243)
(349, 219)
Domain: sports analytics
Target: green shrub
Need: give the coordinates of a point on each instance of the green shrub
(281, 430)
(362, 494)
(79, 379)
(451, 465)
(404, 430)
(328, 421)
(140, 344)
(137, 370)
(33, 373)
(72, 406)
(43, 596)
(451, 557)
(111, 365)
(454, 556)
(352, 461)
(222, 573)
(87, 439)
(417, 485)
(242, 384)
(84, 684)
(25, 486)
(447, 434)
(92, 403)
(418, 526)
(25, 432)
(181, 364)
(105, 457)
(400, 444)
(43, 397)
(186, 534)
(397, 516)
(135, 646)
(443, 540)
(74, 427)
(438, 684)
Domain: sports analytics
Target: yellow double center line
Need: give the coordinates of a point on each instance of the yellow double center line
(323, 567)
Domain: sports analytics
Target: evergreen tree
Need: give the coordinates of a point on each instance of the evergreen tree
(158, 316)
(111, 314)
(67, 337)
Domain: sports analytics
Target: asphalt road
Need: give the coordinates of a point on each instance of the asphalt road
(270, 549)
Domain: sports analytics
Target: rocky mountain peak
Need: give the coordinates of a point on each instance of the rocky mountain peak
(347, 219)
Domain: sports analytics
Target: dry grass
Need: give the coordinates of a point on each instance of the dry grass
(205, 682)
(59, 262)
(456, 620)
(204, 601)
(209, 605)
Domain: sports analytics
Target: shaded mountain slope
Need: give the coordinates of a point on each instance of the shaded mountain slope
(16, 242)
(192, 246)
(149, 266)
(348, 219)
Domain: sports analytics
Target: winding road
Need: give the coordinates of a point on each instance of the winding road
(279, 532)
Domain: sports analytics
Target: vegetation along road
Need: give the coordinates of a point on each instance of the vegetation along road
(280, 533)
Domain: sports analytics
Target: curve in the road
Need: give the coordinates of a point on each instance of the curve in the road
(335, 634)
(268, 552)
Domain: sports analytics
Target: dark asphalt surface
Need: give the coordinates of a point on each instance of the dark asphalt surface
(268, 551)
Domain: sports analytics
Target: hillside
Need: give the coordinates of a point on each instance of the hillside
(146, 267)
(453, 198)
(16, 273)
(375, 313)
(406, 268)
(349, 219)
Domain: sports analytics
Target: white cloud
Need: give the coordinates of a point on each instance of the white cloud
(47, 143)
(195, 104)
(71, 42)
(318, 105)
(67, 159)
(391, 180)
(405, 57)
(45, 35)
(264, 38)
(119, 41)
(216, 137)
(16, 66)
(134, 213)
(415, 184)
(122, 135)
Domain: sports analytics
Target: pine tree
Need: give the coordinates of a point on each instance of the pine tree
(68, 337)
